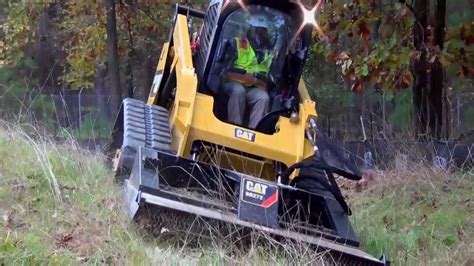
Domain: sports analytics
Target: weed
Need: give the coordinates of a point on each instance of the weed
(417, 218)
(60, 205)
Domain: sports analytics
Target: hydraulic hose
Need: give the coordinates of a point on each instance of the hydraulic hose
(328, 184)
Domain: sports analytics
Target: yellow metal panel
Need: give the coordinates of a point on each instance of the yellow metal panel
(235, 161)
(163, 57)
(182, 44)
(285, 146)
(182, 114)
(303, 91)
(158, 74)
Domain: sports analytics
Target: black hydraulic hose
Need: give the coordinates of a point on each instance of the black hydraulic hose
(311, 162)
(346, 174)
(285, 177)
(329, 184)
(308, 162)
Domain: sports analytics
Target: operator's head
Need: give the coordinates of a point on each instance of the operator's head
(258, 30)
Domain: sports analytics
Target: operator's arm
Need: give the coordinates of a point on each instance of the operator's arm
(267, 58)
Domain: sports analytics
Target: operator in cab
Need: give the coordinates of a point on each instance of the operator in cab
(246, 82)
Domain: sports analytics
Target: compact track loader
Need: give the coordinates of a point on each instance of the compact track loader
(178, 151)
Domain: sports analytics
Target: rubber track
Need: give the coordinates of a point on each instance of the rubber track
(144, 126)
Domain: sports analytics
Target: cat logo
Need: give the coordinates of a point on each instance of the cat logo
(244, 134)
(258, 201)
(256, 187)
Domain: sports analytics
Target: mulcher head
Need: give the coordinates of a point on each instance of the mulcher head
(180, 186)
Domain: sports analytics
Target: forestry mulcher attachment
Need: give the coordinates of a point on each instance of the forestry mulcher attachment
(179, 151)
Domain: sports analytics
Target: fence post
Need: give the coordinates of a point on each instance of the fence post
(79, 109)
(383, 116)
(458, 103)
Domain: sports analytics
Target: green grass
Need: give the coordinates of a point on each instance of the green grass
(59, 205)
(417, 218)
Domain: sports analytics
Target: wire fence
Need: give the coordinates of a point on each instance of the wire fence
(88, 118)
(404, 155)
(373, 116)
(84, 116)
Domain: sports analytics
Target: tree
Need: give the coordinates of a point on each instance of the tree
(79, 32)
(428, 89)
(112, 49)
(437, 91)
(394, 46)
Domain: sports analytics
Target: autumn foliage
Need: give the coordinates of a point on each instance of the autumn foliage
(372, 41)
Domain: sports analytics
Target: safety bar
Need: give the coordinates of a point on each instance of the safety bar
(184, 10)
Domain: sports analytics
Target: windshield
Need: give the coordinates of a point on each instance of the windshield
(254, 41)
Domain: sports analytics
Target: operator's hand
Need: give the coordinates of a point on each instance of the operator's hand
(256, 79)
(251, 79)
(263, 79)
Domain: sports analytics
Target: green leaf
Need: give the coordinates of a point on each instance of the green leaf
(362, 71)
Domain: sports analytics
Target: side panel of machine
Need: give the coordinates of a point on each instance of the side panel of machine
(186, 86)
(158, 74)
(287, 145)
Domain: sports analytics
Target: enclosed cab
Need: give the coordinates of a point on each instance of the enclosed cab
(209, 64)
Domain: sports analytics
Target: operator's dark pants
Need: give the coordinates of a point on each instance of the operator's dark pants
(257, 98)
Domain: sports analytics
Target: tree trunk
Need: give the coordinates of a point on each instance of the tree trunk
(112, 50)
(101, 94)
(437, 94)
(428, 88)
(129, 75)
(419, 69)
(149, 69)
(435, 99)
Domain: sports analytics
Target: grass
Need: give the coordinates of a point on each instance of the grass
(423, 217)
(59, 205)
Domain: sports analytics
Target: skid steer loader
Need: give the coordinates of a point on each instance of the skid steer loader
(179, 151)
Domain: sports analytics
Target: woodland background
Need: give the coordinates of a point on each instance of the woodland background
(378, 69)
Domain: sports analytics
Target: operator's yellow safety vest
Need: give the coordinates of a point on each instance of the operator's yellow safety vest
(247, 59)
